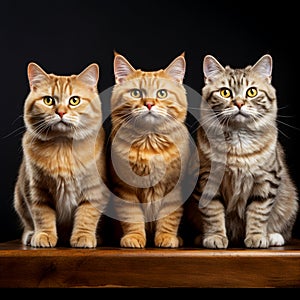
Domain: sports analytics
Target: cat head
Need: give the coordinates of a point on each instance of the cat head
(150, 99)
(62, 106)
(241, 96)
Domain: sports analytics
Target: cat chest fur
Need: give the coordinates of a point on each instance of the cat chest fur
(246, 157)
(145, 153)
(157, 161)
(59, 159)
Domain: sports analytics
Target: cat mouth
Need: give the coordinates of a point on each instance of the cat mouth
(61, 125)
(150, 114)
(241, 114)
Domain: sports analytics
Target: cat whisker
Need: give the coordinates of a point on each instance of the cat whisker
(286, 124)
(285, 116)
(15, 132)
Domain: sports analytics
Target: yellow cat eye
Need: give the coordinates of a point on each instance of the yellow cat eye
(251, 92)
(136, 93)
(225, 92)
(75, 100)
(49, 101)
(161, 94)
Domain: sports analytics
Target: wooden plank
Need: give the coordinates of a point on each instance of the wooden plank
(22, 266)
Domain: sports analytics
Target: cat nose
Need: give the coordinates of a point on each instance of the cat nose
(149, 104)
(239, 103)
(60, 113)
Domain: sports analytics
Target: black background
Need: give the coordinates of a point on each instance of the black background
(66, 36)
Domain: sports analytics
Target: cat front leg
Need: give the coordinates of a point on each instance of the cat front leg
(44, 218)
(130, 214)
(134, 235)
(167, 224)
(85, 225)
(257, 216)
(214, 230)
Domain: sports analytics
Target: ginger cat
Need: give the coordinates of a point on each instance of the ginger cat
(60, 192)
(150, 147)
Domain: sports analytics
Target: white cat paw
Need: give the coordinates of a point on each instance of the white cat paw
(276, 239)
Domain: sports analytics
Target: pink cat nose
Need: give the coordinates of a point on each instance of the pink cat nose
(149, 105)
(61, 113)
(239, 103)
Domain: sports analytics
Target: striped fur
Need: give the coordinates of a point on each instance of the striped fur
(255, 202)
(59, 193)
(149, 152)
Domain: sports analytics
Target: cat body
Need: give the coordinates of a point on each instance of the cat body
(250, 198)
(60, 188)
(150, 145)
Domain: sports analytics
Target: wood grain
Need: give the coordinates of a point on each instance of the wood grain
(22, 266)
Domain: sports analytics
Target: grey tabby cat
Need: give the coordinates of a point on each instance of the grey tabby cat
(246, 194)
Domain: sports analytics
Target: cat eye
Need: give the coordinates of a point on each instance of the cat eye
(162, 94)
(74, 101)
(136, 93)
(251, 92)
(225, 92)
(49, 101)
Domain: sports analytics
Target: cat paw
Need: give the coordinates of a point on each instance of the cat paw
(215, 241)
(43, 239)
(167, 240)
(256, 241)
(83, 240)
(133, 240)
(276, 239)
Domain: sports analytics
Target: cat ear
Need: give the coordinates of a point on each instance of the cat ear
(122, 68)
(211, 67)
(90, 75)
(176, 68)
(35, 75)
(263, 67)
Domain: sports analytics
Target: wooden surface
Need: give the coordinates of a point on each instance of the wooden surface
(22, 266)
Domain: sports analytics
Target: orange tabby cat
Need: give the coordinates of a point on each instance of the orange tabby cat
(150, 145)
(59, 193)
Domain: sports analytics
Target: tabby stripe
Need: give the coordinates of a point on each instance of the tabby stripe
(259, 198)
(217, 106)
(261, 217)
(275, 173)
(210, 95)
(255, 232)
(210, 216)
(55, 87)
(232, 81)
(250, 154)
(272, 184)
(197, 194)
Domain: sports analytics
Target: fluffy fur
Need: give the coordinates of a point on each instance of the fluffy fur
(59, 193)
(246, 194)
(150, 145)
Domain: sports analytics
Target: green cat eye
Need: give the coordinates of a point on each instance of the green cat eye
(225, 92)
(75, 100)
(49, 101)
(136, 93)
(162, 94)
(251, 92)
